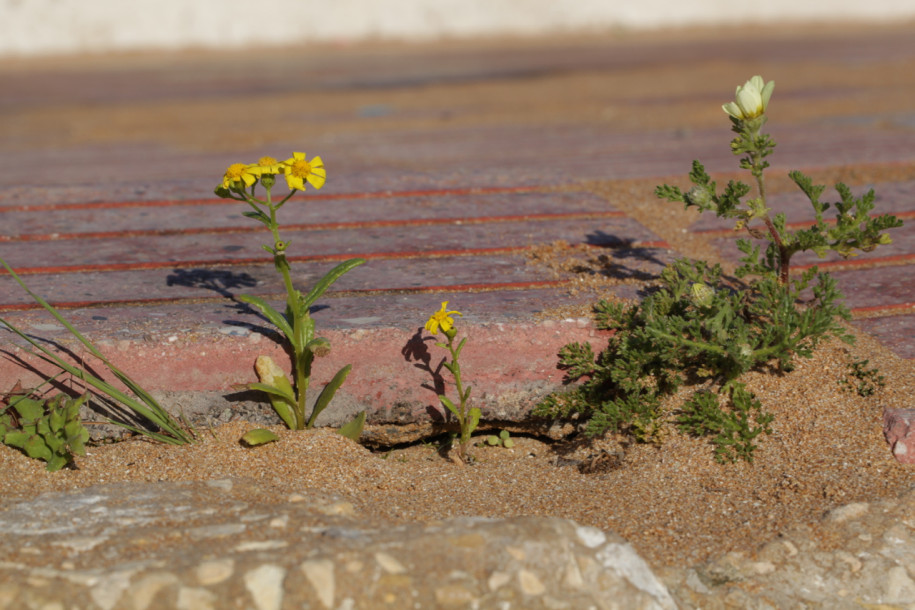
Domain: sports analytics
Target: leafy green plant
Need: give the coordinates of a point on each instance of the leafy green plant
(169, 430)
(45, 429)
(296, 324)
(699, 326)
(862, 380)
(468, 417)
(733, 426)
(502, 440)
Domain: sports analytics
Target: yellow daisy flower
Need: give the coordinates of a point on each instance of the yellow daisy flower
(441, 319)
(238, 172)
(299, 170)
(266, 165)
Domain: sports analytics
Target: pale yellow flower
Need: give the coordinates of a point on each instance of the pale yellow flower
(266, 165)
(441, 318)
(751, 100)
(299, 170)
(238, 172)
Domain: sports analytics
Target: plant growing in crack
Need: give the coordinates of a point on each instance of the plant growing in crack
(468, 417)
(289, 398)
(699, 327)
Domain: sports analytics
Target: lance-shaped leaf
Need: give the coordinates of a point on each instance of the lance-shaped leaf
(353, 428)
(332, 276)
(275, 317)
(259, 436)
(327, 394)
(450, 406)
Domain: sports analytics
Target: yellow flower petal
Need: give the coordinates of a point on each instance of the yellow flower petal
(238, 172)
(298, 170)
(441, 319)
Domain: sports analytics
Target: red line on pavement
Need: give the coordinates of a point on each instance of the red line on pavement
(864, 263)
(882, 308)
(236, 262)
(97, 205)
(793, 225)
(325, 226)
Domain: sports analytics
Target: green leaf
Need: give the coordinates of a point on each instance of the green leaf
(332, 276)
(148, 408)
(282, 400)
(449, 405)
(257, 215)
(475, 415)
(17, 439)
(57, 462)
(275, 317)
(259, 436)
(353, 428)
(327, 394)
(272, 390)
(29, 409)
(36, 447)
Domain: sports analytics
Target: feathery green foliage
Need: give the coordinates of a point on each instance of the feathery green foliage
(701, 328)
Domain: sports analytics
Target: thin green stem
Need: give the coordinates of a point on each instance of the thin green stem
(757, 171)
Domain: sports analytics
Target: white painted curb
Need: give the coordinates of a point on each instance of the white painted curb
(42, 27)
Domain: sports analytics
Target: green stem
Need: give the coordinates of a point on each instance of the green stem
(292, 309)
(783, 255)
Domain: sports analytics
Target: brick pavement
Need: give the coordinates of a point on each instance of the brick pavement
(446, 166)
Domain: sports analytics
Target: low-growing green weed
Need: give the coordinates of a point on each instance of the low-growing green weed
(45, 429)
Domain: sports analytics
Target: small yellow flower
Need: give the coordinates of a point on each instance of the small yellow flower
(441, 319)
(266, 165)
(238, 172)
(751, 100)
(298, 170)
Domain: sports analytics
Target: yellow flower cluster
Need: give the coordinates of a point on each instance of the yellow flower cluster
(297, 170)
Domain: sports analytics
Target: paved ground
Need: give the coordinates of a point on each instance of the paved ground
(447, 165)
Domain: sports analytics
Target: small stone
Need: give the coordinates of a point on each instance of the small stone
(454, 595)
(215, 571)
(223, 484)
(389, 564)
(320, 573)
(899, 587)
(109, 588)
(515, 552)
(529, 583)
(847, 512)
(591, 537)
(145, 591)
(265, 584)
(497, 580)
(195, 598)
(261, 545)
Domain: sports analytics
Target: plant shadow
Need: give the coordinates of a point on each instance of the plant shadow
(417, 351)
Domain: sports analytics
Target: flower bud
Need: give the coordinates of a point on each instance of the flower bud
(702, 295)
(751, 100)
(699, 196)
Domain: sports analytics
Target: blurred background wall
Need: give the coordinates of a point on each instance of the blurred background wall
(46, 27)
